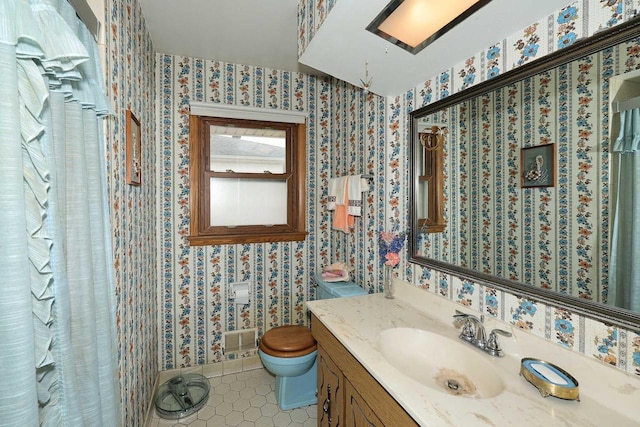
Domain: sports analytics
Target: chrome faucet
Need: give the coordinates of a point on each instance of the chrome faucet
(473, 332)
(472, 329)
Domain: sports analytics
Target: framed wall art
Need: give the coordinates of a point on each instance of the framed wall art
(133, 150)
(538, 166)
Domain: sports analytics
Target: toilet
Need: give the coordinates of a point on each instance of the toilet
(289, 352)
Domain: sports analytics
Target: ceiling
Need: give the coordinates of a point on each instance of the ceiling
(264, 33)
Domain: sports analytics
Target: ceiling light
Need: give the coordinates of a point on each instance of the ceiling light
(414, 24)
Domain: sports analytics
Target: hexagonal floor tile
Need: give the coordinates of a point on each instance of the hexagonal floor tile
(244, 399)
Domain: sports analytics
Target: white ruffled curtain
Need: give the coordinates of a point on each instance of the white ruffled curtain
(58, 355)
(624, 274)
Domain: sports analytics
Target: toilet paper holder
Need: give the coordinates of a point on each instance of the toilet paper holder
(240, 292)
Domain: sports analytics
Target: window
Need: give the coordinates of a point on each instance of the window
(247, 180)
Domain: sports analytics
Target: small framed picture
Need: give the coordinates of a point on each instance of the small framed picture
(538, 166)
(134, 151)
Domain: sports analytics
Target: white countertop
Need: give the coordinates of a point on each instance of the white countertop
(608, 396)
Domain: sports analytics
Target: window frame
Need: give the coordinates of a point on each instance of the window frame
(201, 231)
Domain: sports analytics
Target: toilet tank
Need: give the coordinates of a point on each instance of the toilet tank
(327, 290)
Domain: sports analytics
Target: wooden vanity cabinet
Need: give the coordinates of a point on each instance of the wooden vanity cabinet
(330, 391)
(357, 412)
(347, 394)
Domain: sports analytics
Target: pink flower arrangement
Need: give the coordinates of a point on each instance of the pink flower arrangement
(389, 247)
(392, 259)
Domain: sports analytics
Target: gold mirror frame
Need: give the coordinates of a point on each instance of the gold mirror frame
(581, 48)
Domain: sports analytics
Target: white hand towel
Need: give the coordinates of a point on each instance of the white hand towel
(333, 191)
(355, 195)
(341, 184)
(364, 185)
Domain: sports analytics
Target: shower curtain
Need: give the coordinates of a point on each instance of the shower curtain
(624, 277)
(58, 360)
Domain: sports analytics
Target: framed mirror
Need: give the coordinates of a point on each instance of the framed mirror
(548, 242)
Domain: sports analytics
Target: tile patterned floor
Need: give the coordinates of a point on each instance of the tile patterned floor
(244, 399)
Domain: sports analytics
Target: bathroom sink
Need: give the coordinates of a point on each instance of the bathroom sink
(441, 363)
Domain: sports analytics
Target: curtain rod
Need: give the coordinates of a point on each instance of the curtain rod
(627, 104)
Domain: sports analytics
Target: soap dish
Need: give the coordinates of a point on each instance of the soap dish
(549, 379)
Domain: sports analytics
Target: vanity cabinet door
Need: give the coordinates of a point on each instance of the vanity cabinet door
(365, 394)
(357, 413)
(330, 391)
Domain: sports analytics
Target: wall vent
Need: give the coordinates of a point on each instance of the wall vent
(240, 341)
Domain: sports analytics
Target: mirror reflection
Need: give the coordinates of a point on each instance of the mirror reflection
(430, 148)
(558, 236)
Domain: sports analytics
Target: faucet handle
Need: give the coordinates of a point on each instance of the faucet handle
(468, 332)
(493, 346)
(471, 325)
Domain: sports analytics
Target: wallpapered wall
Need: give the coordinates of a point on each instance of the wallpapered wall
(130, 85)
(195, 305)
(554, 237)
(311, 15)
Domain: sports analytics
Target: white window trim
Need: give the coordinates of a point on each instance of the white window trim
(210, 109)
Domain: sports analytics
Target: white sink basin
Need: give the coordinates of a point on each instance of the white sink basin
(441, 363)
